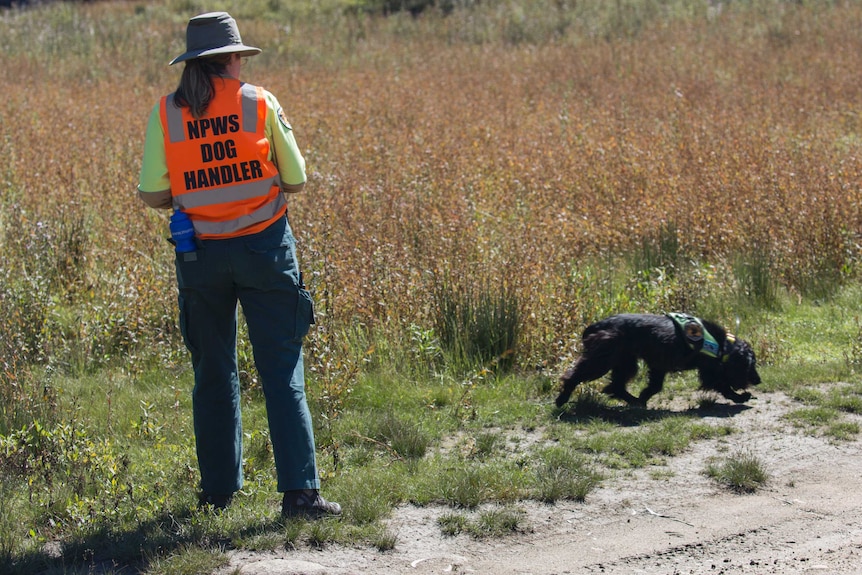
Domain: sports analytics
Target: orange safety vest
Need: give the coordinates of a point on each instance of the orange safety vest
(218, 164)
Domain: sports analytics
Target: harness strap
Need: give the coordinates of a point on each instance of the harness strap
(698, 338)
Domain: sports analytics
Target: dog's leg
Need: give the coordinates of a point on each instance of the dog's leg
(570, 382)
(717, 381)
(734, 396)
(623, 372)
(655, 382)
(587, 368)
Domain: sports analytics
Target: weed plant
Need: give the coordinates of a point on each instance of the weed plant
(483, 182)
(487, 523)
(741, 472)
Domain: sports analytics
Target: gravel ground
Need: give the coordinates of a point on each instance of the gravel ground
(807, 519)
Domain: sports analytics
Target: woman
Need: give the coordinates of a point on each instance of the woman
(222, 153)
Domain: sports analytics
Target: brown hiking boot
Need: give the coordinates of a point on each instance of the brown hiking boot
(308, 503)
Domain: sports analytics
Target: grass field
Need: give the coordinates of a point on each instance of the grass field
(482, 184)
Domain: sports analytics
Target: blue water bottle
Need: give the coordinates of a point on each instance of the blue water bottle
(183, 234)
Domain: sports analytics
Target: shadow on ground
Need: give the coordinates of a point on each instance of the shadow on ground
(587, 409)
(130, 551)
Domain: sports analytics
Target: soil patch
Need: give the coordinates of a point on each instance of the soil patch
(669, 520)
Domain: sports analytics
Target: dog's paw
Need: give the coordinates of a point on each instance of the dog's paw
(742, 397)
(562, 399)
(637, 402)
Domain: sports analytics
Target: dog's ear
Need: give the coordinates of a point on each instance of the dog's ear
(741, 360)
(753, 376)
(737, 348)
(715, 330)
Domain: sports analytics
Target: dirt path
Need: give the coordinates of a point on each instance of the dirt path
(807, 520)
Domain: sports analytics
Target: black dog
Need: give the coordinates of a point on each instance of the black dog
(725, 364)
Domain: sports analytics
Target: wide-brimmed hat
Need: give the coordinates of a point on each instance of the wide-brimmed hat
(213, 33)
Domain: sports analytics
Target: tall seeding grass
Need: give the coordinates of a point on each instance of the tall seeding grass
(526, 165)
(531, 164)
(483, 182)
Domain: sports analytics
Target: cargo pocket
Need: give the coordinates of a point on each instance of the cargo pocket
(304, 313)
(184, 324)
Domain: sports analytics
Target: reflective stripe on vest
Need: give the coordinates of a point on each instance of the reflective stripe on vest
(218, 164)
(223, 229)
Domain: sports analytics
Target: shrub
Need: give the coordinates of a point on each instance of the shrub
(477, 324)
(741, 472)
(563, 474)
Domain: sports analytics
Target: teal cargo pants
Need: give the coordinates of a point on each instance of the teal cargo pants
(261, 272)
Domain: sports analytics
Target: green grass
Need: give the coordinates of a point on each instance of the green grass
(742, 472)
(114, 468)
(564, 474)
(649, 443)
(491, 523)
(191, 560)
(824, 420)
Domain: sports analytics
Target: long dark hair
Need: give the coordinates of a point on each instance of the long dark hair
(197, 86)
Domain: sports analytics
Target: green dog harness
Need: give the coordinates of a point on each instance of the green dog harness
(697, 337)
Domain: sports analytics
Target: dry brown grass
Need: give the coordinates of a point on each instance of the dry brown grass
(520, 164)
